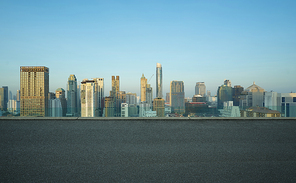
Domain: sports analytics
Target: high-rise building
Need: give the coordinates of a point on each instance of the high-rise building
(18, 95)
(158, 80)
(72, 103)
(5, 95)
(177, 97)
(167, 98)
(149, 94)
(87, 98)
(224, 94)
(2, 99)
(99, 96)
(60, 94)
(200, 89)
(124, 110)
(34, 87)
(227, 82)
(143, 88)
(131, 98)
(236, 92)
(158, 106)
(115, 86)
(253, 96)
(109, 107)
(114, 94)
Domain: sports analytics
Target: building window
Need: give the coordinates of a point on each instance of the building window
(283, 99)
(294, 99)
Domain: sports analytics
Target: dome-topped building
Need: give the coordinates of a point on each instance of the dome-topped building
(254, 88)
(252, 96)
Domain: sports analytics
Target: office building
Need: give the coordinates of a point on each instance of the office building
(158, 106)
(200, 89)
(34, 88)
(177, 97)
(285, 103)
(87, 91)
(99, 96)
(253, 96)
(72, 103)
(236, 93)
(109, 107)
(143, 88)
(131, 98)
(167, 98)
(143, 107)
(2, 99)
(224, 94)
(60, 94)
(149, 94)
(124, 110)
(158, 80)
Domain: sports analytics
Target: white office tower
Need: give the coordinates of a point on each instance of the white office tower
(87, 93)
(11, 106)
(124, 110)
(55, 108)
(158, 80)
(143, 107)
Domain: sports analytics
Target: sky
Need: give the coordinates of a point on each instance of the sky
(243, 41)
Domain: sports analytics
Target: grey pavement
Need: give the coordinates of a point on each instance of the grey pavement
(79, 150)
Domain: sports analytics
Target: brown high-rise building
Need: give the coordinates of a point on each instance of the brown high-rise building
(143, 88)
(158, 106)
(115, 86)
(34, 88)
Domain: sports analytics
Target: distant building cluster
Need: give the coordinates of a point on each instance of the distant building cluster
(87, 99)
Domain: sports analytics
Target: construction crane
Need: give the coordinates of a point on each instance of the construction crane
(150, 78)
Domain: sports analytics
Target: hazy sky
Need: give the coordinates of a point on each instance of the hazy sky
(209, 41)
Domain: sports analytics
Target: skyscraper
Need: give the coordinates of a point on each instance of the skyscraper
(177, 97)
(149, 94)
(158, 80)
(5, 95)
(2, 99)
(87, 98)
(72, 107)
(60, 94)
(99, 96)
(224, 93)
(34, 88)
(200, 89)
(143, 88)
(115, 86)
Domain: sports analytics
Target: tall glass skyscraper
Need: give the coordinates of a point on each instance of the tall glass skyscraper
(72, 107)
(158, 80)
(34, 91)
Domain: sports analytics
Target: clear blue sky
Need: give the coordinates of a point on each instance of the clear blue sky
(209, 41)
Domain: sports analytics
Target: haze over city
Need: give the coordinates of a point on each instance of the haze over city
(195, 41)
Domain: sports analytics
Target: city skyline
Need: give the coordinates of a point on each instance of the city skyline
(195, 41)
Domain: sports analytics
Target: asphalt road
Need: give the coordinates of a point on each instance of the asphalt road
(147, 151)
